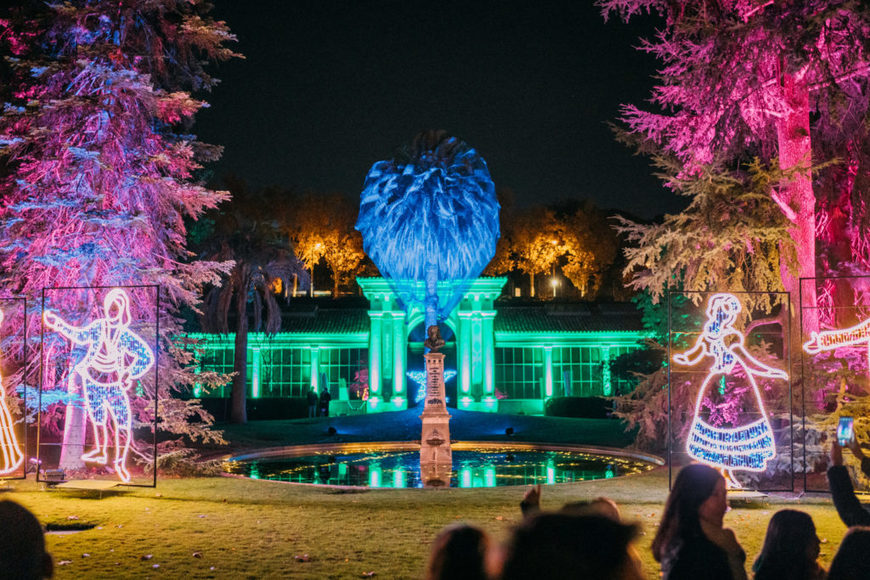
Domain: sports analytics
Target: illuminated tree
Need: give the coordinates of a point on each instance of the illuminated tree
(247, 231)
(730, 238)
(322, 228)
(429, 215)
(783, 81)
(99, 164)
(344, 255)
(590, 245)
(536, 240)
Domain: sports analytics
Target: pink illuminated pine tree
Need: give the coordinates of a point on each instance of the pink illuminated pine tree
(100, 166)
(785, 81)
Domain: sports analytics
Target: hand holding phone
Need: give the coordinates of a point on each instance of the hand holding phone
(845, 431)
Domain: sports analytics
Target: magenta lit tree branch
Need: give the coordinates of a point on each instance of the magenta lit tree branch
(100, 164)
(780, 81)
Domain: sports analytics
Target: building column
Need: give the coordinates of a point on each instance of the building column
(548, 371)
(255, 372)
(476, 355)
(315, 368)
(375, 341)
(489, 361)
(606, 380)
(400, 354)
(463, 351)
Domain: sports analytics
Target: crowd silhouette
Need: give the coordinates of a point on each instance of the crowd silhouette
(590, 539)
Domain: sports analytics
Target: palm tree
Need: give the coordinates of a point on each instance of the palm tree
(248, 230)
(429, 215)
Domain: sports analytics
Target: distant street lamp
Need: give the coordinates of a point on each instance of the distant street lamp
(555, 282)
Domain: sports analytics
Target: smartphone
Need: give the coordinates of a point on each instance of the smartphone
(845, 431)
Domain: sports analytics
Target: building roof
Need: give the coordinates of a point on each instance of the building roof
(315, 320)
(512, 318)
(567, 318)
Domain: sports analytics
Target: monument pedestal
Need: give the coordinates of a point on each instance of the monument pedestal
(436, 456)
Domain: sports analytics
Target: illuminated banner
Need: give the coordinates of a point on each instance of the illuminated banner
(10, 449)
(746, 446)
(833, 339)
(110, 358)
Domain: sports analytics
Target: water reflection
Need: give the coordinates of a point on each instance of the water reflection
(401, 469)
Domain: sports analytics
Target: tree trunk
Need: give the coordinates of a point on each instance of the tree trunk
(796, 196)
(431, 296)
(532, 285)
(74, 431)
(238, 411)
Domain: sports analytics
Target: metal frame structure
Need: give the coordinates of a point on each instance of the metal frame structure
(23, 301)
(785, 302)
(95, 289)
(815, 280)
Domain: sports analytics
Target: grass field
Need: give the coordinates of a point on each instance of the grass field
(224, 527)
(236, 528)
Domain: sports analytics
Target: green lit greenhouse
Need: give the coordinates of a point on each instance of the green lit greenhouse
(509, 357)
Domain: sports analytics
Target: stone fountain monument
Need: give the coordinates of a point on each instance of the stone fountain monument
(436, 457)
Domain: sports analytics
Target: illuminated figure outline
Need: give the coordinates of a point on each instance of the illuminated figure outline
(834, 339)
(748, 447)
(115, 356)
(11, 449)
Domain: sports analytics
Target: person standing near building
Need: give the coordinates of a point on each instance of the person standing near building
(312, 402)
(324, 402)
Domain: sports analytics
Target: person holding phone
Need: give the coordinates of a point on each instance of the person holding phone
(851, 511)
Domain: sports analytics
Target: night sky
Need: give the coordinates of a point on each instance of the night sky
(329, 87)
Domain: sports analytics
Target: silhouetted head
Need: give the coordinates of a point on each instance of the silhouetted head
(563, 545)
(22, 544)
(790, 549)
(852, 561)
(600, 506)
(699, 491)
(458, 552)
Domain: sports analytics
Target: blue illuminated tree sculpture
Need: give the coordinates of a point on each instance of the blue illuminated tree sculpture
(430, 215)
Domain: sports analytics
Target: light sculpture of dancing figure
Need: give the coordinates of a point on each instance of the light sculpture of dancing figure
(832, 339)
(10, 449)
(115, 356)
(744, 447)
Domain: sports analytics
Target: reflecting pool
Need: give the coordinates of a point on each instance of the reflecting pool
(479, 467)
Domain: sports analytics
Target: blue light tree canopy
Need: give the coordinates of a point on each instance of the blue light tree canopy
(429, 215)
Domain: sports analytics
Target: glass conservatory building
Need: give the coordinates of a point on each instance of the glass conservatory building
(507, 357)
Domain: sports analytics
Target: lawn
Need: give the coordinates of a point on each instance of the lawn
(225, 527)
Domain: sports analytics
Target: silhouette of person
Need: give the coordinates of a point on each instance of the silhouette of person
(325, 398)
(22, 544)
(114, 357)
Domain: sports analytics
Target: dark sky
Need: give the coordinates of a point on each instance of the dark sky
(329, 87)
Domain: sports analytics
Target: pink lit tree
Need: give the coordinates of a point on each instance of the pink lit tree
(99, 168)
(780, 81)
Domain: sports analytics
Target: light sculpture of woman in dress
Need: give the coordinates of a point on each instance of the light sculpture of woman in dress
(742, 447)
(10, 450)
(115, 356)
